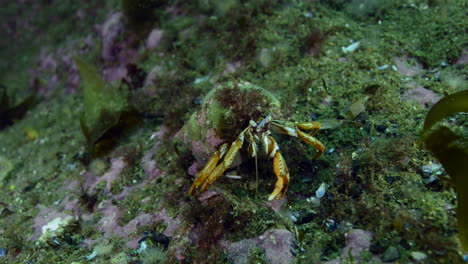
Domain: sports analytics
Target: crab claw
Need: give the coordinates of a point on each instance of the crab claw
(209, 167)
(282, 175)
(279, 167)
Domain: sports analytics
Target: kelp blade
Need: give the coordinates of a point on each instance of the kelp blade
(449, 105)
(452, 151)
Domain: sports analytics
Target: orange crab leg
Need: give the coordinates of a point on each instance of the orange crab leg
(314, 126)
(281, 171)
(227, 162)
(312, 141)
(210, 165)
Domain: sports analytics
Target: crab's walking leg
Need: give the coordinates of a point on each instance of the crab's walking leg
(308, 138)
(314, 126)
(311, 140)
(227, 162)
(210, 165)
(280, 168)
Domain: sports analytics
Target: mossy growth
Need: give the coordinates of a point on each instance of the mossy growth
(244, 103)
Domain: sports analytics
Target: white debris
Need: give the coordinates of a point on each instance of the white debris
(201, 79)
(418, 256)
(142, 247)
(321, 190)
(92, 256)
(383, 67)
(351, 47)
(55, 228)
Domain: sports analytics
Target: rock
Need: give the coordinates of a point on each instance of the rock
(358, 240)
(56, 229)
(405, 69)
(418, 256)
(424, 96)
(391, 254)
(275, 243)
(154, 39)
(112, 29)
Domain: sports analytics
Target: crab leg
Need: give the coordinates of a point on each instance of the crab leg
(279, 167)
(314, 126)
(312, 141)
(227, 162)
(210, 165)
(308, 138)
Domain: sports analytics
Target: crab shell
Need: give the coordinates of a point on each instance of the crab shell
(225, 112)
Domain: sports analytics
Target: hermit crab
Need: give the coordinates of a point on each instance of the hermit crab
(234, 120)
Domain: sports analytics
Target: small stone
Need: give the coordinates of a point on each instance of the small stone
(320, 192)
(418, 256)
(154, 39)
(420, 94)
(391, 254)
(358, 240)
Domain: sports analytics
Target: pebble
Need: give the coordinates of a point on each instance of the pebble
(418, 255)
(321, 190)
(391, 254)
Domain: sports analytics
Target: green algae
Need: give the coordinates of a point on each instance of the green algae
(106, 112)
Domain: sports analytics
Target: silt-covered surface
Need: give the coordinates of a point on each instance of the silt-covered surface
(369, 71)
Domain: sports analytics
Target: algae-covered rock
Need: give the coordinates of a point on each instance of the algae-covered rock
(225, 112)
(54, 230)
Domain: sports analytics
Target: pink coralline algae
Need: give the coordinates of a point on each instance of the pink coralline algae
(45, 216)
(91, 181)
(154, 39)
(357, 241)
(54, 67)
(111, 30)
(276, 244)
(422, 95)
(405, 69)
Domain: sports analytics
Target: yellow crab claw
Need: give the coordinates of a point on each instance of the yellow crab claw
(279, 167)
(227, 162)
(206, 171)
(282, 174)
